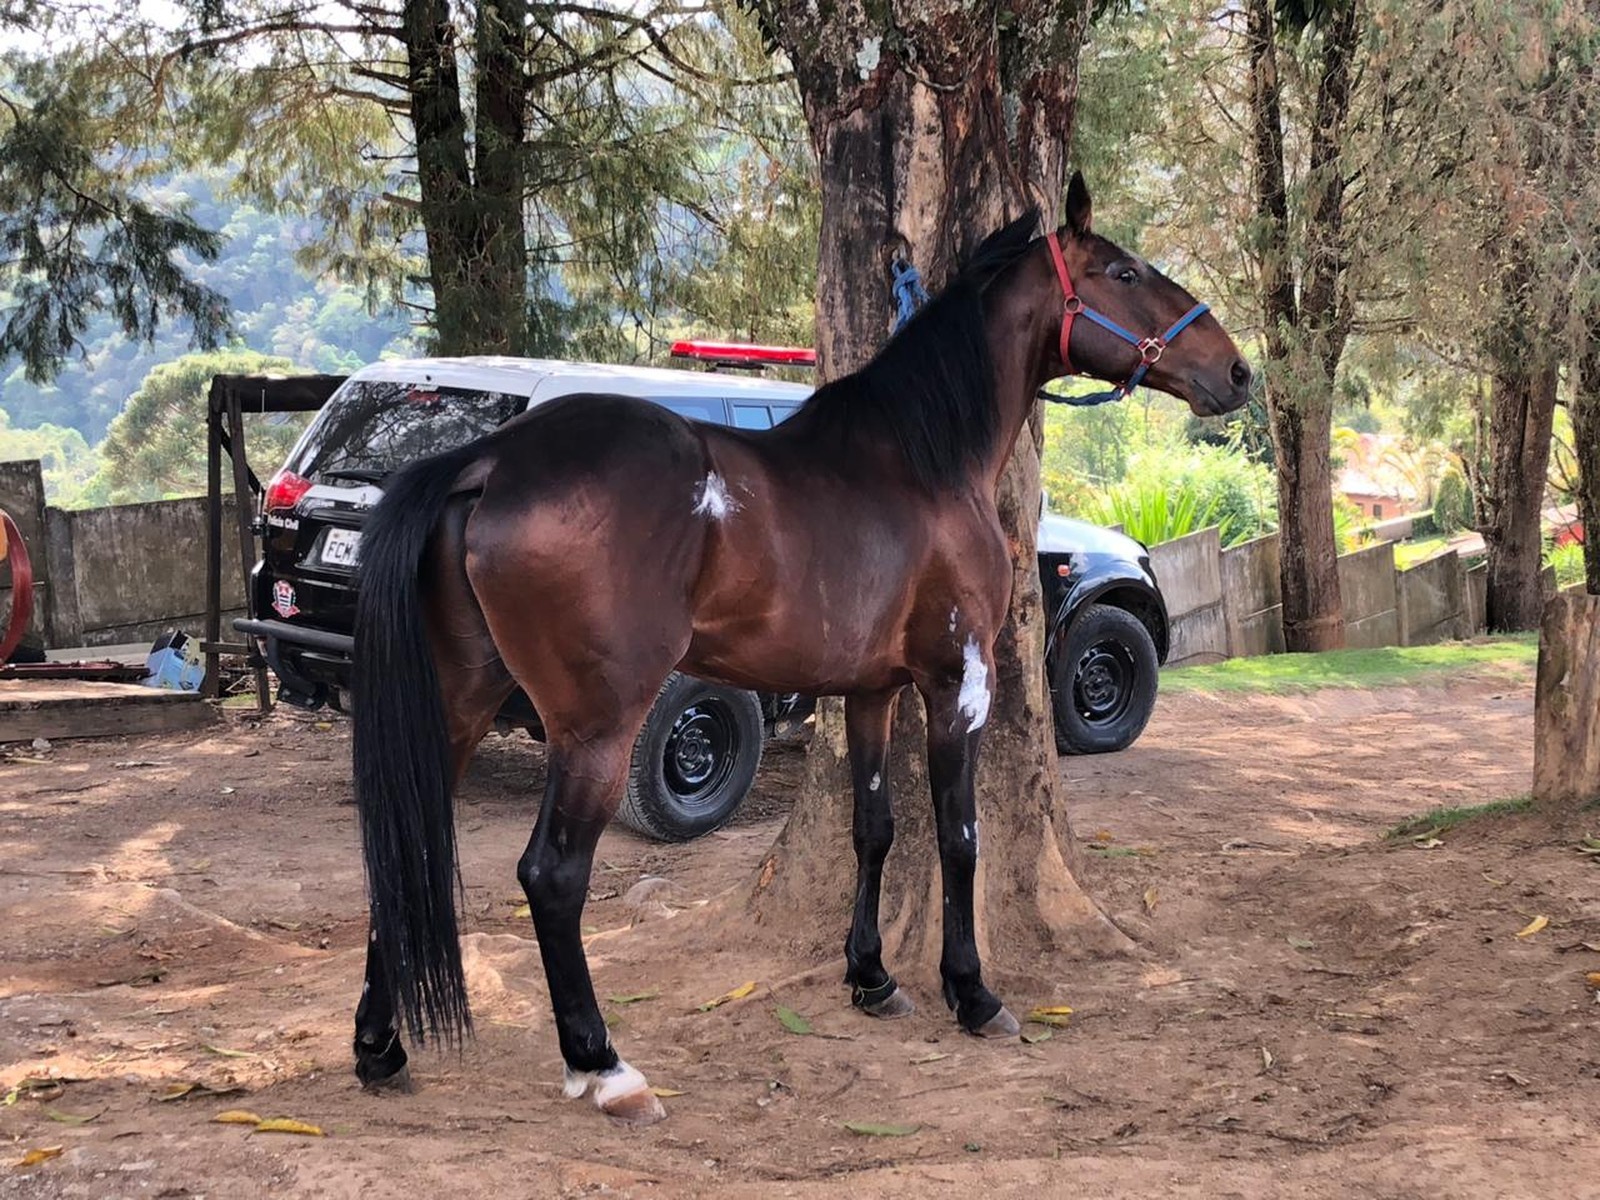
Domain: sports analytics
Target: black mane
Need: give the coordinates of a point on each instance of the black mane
(931, 387)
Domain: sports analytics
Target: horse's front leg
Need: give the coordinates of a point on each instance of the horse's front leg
(867, 721)
(958, 705)
(584, 784)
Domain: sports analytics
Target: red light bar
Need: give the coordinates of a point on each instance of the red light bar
(743, 353)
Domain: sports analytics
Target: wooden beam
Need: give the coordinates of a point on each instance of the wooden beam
(61, 708)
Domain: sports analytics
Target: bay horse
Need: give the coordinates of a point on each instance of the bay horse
(589, 547)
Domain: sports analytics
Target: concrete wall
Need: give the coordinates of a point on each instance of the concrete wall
(22, 496)
(1432, 601)
(136, 570)
(1189, 574)
(1251, 597)
(1371, 603)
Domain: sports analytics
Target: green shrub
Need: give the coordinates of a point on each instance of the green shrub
(1452, 503)
(1425, 525)
(1151, 511)
(1568, 562)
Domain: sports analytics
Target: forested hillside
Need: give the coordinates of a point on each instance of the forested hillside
(279, 309)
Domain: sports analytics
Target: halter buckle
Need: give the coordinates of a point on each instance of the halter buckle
(1150, 351)
(1074, 305)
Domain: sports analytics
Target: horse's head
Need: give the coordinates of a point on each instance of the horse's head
(1125, 322)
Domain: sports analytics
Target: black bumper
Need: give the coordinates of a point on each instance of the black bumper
(282, 631)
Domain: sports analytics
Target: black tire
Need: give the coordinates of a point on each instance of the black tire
(694, 760)
(1104, 682)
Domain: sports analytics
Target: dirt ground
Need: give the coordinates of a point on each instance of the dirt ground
(1315, 1010)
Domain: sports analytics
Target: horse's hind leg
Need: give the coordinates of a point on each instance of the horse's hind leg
(867, 721)
(585, 781)
(473, 684)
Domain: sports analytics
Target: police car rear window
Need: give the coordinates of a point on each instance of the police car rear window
(372, 428)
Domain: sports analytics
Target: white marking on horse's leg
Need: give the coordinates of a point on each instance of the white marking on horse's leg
(714, 500)
(621, 1080)
(575, 1083)
(954, 613)
(970, 832)
(875, 782)
(973, 699)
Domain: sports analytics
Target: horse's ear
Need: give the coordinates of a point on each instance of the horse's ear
(1080, 210)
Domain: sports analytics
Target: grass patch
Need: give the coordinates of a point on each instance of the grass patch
(1441, 820)
(1377, 667)
(1409, 554)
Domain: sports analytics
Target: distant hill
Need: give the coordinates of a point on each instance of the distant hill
(278, 309)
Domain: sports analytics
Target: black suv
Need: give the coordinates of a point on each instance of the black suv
(698, 752)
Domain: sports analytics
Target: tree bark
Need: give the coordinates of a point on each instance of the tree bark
(1566, 753)
(929, 134)
(1305, 333)
(1523, 412)
(477, 260)
(1586, 442)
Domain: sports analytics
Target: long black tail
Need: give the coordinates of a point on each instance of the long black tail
(402, 757)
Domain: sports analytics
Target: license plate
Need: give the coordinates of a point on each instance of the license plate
(341, 547)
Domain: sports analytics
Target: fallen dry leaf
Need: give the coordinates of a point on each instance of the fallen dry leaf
(1040, 1035)
(34, 1157)
(928, 1058)
(874, 1129)
(792, 1021)
(666, 1093)
(1056, 1014)
(1151, 899)
(635, 997)
(522, 910)
(1534, 926)
(236, 1116)
(66, 1118)
(286, 1125)
(738, 993)
(1592, 979)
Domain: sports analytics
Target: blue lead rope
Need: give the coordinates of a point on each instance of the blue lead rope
(909, 294)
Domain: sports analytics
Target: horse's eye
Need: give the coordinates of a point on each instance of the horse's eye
(1127, 275)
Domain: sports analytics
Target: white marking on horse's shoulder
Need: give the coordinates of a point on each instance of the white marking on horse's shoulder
(973, 699)
(714, 501)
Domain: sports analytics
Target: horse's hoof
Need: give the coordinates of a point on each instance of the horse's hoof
(399, 1082)
(896, 1004)
(1001, 1025)
(382, 1069)
(620, 1092)
(635, 1108)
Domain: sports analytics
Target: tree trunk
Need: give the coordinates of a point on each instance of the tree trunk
(1305, 335)
(921, 168)
(1523, 411)
(474, 228)
(1302, 422)
(1586, 444)
(1566, 750)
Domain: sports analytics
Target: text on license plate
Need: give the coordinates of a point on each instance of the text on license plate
(341, 547)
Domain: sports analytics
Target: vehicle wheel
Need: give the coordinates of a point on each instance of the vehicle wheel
(694, 760)
(1104, 685)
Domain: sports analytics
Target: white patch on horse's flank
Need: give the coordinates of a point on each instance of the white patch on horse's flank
(875, 782)
(610, 1084)
(714, 500)
(973, 699)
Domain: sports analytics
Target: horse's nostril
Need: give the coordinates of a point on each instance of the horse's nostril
(1240, 373)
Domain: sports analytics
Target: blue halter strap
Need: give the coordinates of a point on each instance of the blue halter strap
(1150, 348)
